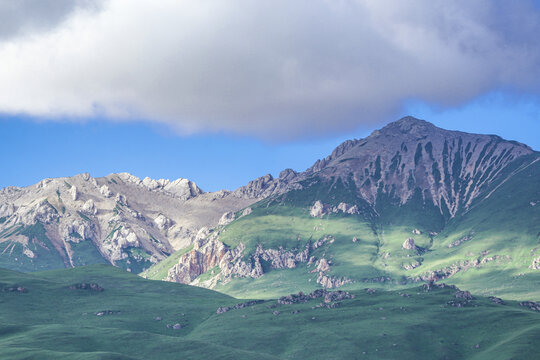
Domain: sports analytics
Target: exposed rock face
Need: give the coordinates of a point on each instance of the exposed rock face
(319, 209)
(121, 239)
(224, 309)
(535, 264)
(77, 230)
(227, 218)
(280, 258)
(409, 244)
(247, 211)
(208, 254)
(323, 265)
(329, 297)
(346, 208)
(105, 191)
(462, 240)
(121, 200)
(73, 192)
(531, 305)
(266, 185)
(89, 207)
(127, 220)
(163, 222)
(7, 210)
(331, 282)
(449, 168)
(466, 295)
(412, 265)
(42, 212)
(453, 269)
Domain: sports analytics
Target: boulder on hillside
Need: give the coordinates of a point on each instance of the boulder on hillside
(318, 209)
(409, 244)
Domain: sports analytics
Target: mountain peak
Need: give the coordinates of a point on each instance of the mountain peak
(406, 125)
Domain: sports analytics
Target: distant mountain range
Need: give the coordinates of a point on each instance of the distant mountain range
(410, 203)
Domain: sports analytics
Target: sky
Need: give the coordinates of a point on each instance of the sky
(221, 92)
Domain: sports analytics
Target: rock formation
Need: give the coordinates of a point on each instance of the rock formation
(409, 244)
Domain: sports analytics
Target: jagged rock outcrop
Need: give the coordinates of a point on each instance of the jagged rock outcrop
(105, 191)
(318, 209)
(7, 210)
(224, 309)
(226, 218)
(463, 265)
(461, 240)
(246, 212)
(412, 265)
(77, 230)
(329, 297)
(73, 192)
(120, 239)
(41, 211)
(535, 264)
(409, 244)
(531, 305)
(89, 207)
(211, 253)
(206, 255)
(331, 282)
(163, 223)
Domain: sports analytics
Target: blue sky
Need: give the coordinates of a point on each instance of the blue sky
(223, 92)
(36, 149)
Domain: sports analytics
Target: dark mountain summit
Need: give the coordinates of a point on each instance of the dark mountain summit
(448, 168)
(410, 158)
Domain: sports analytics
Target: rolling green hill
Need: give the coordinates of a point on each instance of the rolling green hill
(47, 319)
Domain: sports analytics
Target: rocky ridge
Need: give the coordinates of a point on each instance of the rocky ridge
(210, 254)
(129, 222)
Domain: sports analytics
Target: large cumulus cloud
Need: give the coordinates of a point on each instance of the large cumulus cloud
(278, 69)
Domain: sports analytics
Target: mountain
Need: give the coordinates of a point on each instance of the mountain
(101, 312)
(410, 203)
(118, 219)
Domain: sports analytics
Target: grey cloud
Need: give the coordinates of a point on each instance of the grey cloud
(21, 17)
(280, 69)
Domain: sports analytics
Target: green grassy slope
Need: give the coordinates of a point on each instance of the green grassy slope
(500, 231)
(50, 321)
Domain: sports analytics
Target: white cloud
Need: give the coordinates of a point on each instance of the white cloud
(275, 69)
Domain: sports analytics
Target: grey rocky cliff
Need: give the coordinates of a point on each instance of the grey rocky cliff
(210, 253)
(125, 218)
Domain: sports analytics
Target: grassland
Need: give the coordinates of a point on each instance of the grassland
(51, 321)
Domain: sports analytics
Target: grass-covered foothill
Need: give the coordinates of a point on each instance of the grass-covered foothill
(56, 315)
